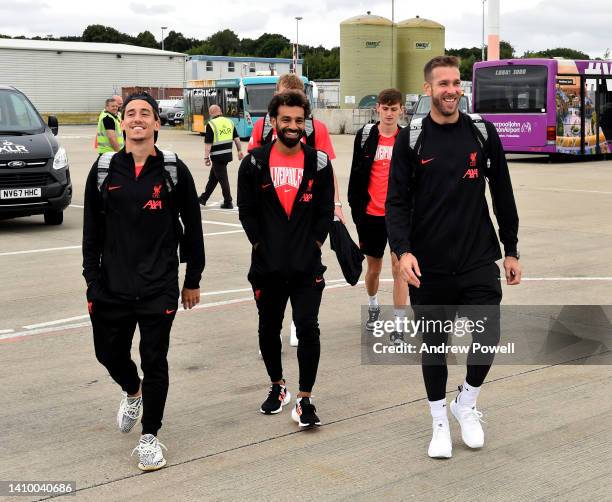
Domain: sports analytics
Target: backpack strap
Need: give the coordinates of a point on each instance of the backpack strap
(170, 169)
(266, 132)
(104, 163)
(322, 160)
(365, 134)
(482, 137)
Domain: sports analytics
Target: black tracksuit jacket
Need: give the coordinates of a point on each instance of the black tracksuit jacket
(285, 246)
(361, 170)
(436, 206)
(131, 230)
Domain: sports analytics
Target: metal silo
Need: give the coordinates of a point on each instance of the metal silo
(418, 40)
(367, 52)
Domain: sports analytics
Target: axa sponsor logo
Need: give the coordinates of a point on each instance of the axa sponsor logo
(153, 205)
(9, 147)
(471, 173)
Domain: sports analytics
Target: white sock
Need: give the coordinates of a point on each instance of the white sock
(438, 410)
(399, 313)
(468, 395)
(373, 301)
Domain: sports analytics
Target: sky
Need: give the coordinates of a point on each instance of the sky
(526, 24)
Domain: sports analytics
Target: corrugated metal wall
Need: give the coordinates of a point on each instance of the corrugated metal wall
(78, 82)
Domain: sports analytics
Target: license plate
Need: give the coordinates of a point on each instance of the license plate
(20, 193)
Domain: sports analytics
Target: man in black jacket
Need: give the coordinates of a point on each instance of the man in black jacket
(286, 206)
(367, 193)
(440, 229)
(131, 232)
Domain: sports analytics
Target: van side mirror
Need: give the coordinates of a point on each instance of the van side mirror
(53, 125)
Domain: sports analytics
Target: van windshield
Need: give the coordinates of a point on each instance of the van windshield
(17, 115)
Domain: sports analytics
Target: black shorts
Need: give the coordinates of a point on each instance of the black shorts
(372, 232)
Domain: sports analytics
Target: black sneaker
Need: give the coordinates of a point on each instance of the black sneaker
(227, 205)
(202, 200)
(373, 316)
(278, 397)
(396, 337)
(304, 413)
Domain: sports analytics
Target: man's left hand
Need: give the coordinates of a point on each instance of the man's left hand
(513, 271)
(338, 212)
(240, 155)
(190, 298)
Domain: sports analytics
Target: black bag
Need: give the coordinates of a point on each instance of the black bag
(348, 253)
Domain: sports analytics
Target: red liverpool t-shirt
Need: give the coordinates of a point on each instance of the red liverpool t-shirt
(322, 138)
(286, 172)
(138, 169)
(379, 176)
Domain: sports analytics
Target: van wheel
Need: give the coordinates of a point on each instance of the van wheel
(54, 217)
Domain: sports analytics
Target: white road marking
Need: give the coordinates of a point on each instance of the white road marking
(77, 206)
(552, 189)
(5, 331)
(210, 222)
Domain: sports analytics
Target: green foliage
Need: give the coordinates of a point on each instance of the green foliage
(146, 39)
(562, 52)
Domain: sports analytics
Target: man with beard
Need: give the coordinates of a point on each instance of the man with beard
(286, 206)
(131, 231)
(440, 229)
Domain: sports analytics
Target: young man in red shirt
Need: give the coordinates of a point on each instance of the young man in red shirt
(367, 194)
(286, 206)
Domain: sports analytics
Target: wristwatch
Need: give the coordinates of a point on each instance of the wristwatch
(514, 254)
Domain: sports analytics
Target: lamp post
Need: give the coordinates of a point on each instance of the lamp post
(483, 29)
(165, 28)
(297, 41)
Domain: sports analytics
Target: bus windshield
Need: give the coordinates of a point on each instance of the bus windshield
(511, 89)
(258, 97)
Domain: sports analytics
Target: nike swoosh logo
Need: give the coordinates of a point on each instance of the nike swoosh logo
(113, 187)
(168, 312)
(266, 186)
(426, 161)
(319, 280)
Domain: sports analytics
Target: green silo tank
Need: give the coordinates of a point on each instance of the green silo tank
(418, 40)
(367, 52)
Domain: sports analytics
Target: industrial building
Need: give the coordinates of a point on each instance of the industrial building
(76, 77)
(376, 53)
(203, 67)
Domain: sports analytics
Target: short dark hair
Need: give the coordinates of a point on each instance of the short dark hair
(109, 101)
(144, 96)
(437, 62)
(289, 98)
(389, 97)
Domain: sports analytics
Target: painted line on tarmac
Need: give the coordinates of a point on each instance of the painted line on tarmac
(573, 190)
(67, 248)
(6, 331)
(60, 324)
(77, 206)
(211, 222)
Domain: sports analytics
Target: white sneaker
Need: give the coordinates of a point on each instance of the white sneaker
(150, 453)
(441, 445)
(469, 419)
(130, 412)
(293, 339)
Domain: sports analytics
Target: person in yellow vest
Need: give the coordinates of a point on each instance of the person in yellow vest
(119, 100)
(110, 135)
(218, 138)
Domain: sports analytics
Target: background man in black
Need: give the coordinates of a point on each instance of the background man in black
(286, 206)
(439, 227)
(131, 232)
(220, 133)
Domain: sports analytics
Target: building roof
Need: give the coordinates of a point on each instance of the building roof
(419, 22)
(241, 59)
(52, 45)
(368, 19)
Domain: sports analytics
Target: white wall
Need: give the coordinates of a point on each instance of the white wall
(79, 82)
(196, 70)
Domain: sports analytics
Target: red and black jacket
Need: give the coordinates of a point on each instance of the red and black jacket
(130, 235)
(285, 245)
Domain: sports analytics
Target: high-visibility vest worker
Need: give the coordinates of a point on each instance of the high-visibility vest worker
(103, 142)
(223, 136)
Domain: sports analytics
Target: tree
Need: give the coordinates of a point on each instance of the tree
(269, 45)
(176, 42)
(103, 34)
(223, 43)
(146, 39)
(562, 52)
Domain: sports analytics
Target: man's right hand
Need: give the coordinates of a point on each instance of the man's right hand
(207, 162)
(409, 269)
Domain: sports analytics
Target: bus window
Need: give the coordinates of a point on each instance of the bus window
(511, 89)
(258, 97)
